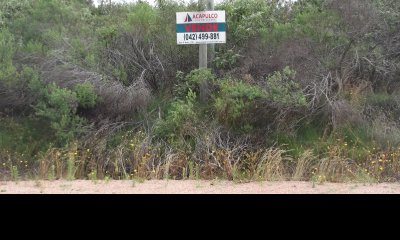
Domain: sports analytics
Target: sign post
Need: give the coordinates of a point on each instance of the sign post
(203, 47)
(211, 48)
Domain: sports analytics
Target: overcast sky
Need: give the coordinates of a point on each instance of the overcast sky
(150, 1)
(96, 2)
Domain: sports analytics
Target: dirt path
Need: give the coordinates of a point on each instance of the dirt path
(191, 186)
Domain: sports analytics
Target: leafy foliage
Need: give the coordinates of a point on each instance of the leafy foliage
(85, 95)
(247, 18)
(234, 100)
(192, 81)
(7, 49)
(59, 106)
(112, 80)
(282, 88)
(181, 116)
(226, 59)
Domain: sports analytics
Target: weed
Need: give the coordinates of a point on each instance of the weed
(14, 173)
(71, 169)
(191, 170)
(197, 171)
(166, 170)
(52, 173)
(137, 180)
(93, 176)
(317, 179)
(303, 166)
(184, 174)
(333, 168)
(364, 177)
(271, 164)
(107, 179)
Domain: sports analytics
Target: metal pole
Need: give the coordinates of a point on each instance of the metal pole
(203, 56)
(211, 47)
(202, 47)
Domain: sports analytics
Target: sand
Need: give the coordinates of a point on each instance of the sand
(191, 187)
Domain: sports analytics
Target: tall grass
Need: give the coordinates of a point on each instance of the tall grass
(344, 156)
(304, 166)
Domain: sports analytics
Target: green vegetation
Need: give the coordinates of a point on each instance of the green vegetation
(304, 91)
(235, 100)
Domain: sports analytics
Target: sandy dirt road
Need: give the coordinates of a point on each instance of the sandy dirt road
(192, 187)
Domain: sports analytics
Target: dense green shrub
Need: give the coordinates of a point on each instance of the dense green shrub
(234, 100)
(240, 104)
(14, 82)
(26, 136)
(226, 59)
(180, 118)
(283, 89)
(193, 81)
(143, 18)
(247, 19)
(7, 49)
(86, 95)
(59, 106)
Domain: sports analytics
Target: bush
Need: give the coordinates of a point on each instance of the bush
(179, 120)
(243, 105)
(144, 18)
(15, 94)
(59, 106)
(383, 105)
(383, 101)
(282, 88)
(192, 81)
(234, 100)
(225, 59)
(7, 49)
(247, 19)
(85, 95)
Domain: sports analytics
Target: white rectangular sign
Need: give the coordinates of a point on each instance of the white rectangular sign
(200, 27)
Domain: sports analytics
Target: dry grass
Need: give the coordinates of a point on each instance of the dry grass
(119, 101)
(304, 166)
(335, 169)
(138, 156)
(272, 164)
(51, 164)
